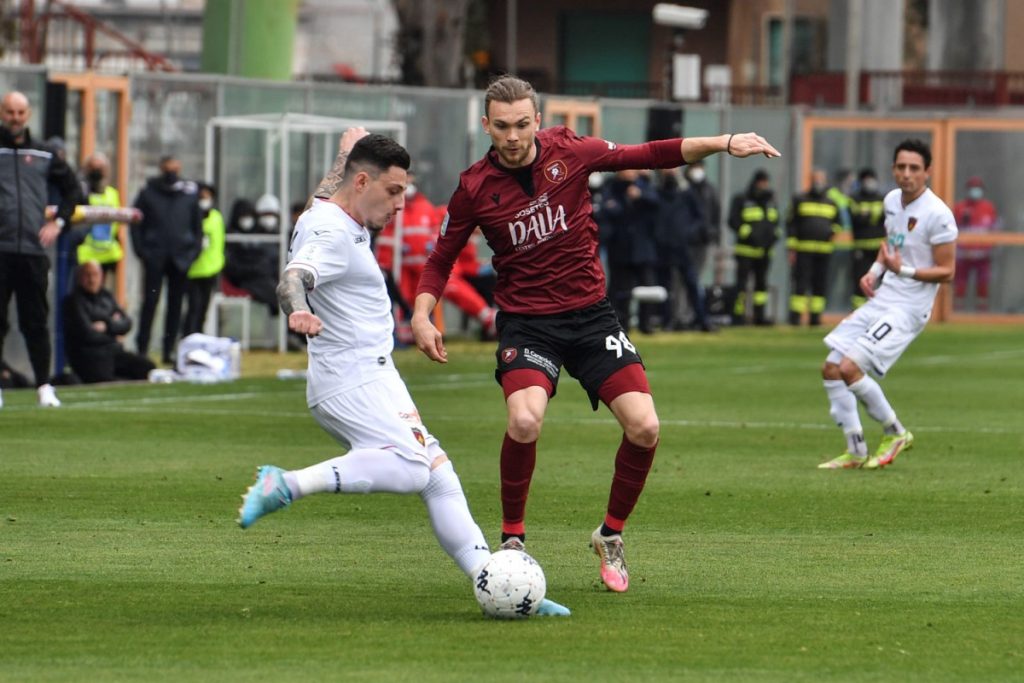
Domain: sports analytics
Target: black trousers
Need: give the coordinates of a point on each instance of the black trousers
(108, 363)
(27, 278)
(199, 291)
(153, 281)
(758, 267)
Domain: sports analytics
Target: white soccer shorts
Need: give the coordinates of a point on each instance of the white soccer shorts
(875, 336)
(378, 414)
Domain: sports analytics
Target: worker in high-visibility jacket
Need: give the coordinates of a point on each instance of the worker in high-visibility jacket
(867, 218)
(811, 227)
(754, 217)
(101, 243)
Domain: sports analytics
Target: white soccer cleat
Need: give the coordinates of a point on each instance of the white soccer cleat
(48, 397)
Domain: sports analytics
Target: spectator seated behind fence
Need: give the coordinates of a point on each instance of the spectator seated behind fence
(252, 266)
(93, 324)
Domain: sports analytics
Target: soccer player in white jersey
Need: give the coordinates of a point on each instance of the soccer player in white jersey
(333, 291)
(919, 254)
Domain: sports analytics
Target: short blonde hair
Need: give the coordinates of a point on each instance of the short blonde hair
(509, 89)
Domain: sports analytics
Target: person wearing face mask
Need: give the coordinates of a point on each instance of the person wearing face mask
(100, 242)
(203, 273)
(167, 241)
(867, 221)
(975, 215)
(811, 226)
(754, 217)
(709, 233)
(249, 264)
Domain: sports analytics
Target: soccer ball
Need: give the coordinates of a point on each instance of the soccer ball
(510, 585)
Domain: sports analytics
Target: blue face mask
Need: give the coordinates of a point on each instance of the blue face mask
(976, 193)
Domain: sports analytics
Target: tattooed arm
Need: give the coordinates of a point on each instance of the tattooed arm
(332, 181)
(291, 294)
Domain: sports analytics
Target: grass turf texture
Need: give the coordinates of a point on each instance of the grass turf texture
(120, 558)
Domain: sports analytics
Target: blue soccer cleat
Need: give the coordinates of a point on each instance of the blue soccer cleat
(550, 608)
(267, 494)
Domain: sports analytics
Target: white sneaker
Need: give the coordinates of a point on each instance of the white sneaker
(48, 397)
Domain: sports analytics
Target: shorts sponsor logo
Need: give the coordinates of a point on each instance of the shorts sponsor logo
(419, 436)
(556, 171)
(541, 361)
(508, 355)
(413, 417)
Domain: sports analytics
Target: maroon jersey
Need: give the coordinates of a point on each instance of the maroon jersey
(544, 243)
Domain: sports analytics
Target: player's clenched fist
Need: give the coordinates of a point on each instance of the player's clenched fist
(305, 322)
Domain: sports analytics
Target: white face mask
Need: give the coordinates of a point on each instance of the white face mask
(976, 193)
(697, 175)
(246, 223)
(205, 204)
(411, 190)
(869, 185)
(268, 222)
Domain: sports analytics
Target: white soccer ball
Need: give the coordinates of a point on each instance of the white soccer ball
(510, 585)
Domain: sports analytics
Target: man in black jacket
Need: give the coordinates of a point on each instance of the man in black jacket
(28, 169)
(92, 324)
(167, 241)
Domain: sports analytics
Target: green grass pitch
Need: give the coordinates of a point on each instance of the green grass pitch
(120, 558)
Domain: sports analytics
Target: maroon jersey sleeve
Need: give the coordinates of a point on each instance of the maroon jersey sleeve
(601, 155)
(456, 229)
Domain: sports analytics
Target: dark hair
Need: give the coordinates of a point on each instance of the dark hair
(208, 187)
(509, 89)
(866, 173)
(918, 147)
(374, 154)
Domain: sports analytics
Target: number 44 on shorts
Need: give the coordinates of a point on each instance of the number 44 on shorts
(616, 344)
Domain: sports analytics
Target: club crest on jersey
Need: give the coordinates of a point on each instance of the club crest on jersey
(508, 355)
(911, 223)
(556, 171)
(419, 436)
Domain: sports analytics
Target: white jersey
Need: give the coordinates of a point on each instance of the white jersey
(350, 298)
(914, 230)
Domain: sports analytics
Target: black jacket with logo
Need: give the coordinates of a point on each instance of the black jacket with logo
(27, 171)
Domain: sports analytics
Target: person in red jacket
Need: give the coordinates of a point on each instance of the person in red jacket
(974, 215)
(421, 226)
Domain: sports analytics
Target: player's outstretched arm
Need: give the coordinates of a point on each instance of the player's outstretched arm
(735, 144)
(428, 338)
(330, 183)
(291, 294)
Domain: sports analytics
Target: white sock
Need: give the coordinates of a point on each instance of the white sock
(871, 395)
(364, 470)
(453, 523)
(843, 409)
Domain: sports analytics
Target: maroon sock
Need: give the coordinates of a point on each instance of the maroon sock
(632, 463)
(517, 462)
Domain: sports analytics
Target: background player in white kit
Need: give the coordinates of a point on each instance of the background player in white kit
(919, 253)
(353, 388)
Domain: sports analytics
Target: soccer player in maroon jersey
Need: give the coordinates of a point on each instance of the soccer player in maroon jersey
(529, 195)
